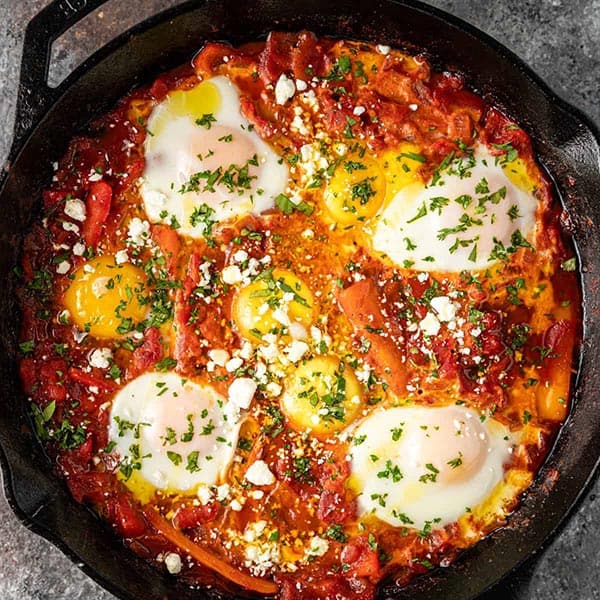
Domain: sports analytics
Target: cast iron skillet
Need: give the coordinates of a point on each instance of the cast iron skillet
(565, 141)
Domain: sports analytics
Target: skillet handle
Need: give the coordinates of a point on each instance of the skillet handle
(35, 95)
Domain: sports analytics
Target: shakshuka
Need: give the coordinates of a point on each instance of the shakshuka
(300, 315)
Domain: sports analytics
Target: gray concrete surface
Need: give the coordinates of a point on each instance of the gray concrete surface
(560, 39)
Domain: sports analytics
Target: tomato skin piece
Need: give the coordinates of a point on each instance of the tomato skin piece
(159, 89)
(126, 519)
(97, 206)
(187, 517)
(89, 380)
(500, 130)
(168, 241)
(333, 508)
(285, 52)
(363, 561)
(146, 355)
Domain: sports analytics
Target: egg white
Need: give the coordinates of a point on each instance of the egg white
(410, 229)
(145, 409)
(180, 148)
(417, 465)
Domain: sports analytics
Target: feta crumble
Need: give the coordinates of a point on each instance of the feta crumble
(258, 473)
(241, 392)
(173, 563)
(284, 89)
(100, 358)
(75, 209)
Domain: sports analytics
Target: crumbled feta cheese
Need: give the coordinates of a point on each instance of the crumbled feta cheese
(235, 505)
(75, 209)
(296, 350)
(281, 316)
(298, 331)
(63, 267)
(298, 125)
(95, 175)
(254, 530)
(444, 307)
(231, 275)
(99, 285)
(301, 85)
(358, 110)
(430, 324)
(204, 494)
(173, 563)
(422, 277)
(222, 492)
(241, 392)
(311, 99)
(259, 473)
(100, 358)
(246, 351)
(78, 249)
(413, 107)
(274, 388)
(138, 231)
(284, 89)
(68, 226)
(219, 357)
(318, 546)
(382, 49)
(234, 364)
(121, 257)
(240, 256)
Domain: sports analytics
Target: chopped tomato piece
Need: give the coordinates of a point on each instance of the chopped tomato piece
(127, 520)
(146, 355)
(360, 303)
(168, 241)
(97, 208)
(362, 559)
(90, 380)
(187, 517)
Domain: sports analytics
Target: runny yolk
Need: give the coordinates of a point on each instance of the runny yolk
(106, 299)
(199, 104)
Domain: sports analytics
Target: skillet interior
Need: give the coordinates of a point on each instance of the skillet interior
(563, 142)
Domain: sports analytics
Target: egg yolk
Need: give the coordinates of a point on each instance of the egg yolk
(200, 103)
(356, 190)
(104, 297)
(401, 167)
(270, 303)
(323, 395)
(516, 171)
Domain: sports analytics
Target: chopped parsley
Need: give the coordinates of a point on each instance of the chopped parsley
(206, 120)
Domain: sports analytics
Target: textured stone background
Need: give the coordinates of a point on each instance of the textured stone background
(560, 39)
